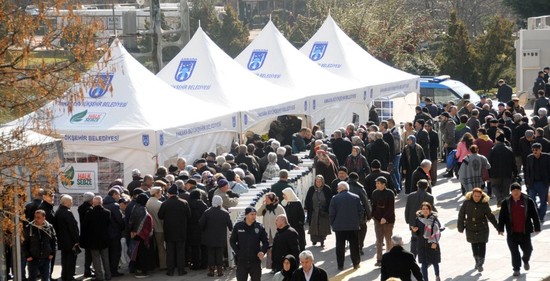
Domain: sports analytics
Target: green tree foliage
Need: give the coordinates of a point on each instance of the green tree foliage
(529, 8)
(455, 56)
(233, 36)
(495, 52)
(229, 33)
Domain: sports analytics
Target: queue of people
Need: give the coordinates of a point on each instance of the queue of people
(178, 218)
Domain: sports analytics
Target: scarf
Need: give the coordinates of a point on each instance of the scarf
(144, 234)
(432, 230)
(483, 137)
(272, 207)
(460, 127)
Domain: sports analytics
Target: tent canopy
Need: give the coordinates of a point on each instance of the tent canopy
(201, 69)
(333, 50)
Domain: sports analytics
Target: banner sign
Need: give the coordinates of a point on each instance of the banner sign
(78, 178)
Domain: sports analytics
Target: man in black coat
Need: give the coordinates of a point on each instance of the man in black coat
(537, 177)
(315, 273)
(39, 245)
(47, 206)
(115, 229)
(414, 203)
(286, 241)
(341, 147)
(501, 172)
(422, 173)
(250, 161)
(504, 93)
(370, 180)
(66, 228)
(95, 236)
(379, 150)
(175, 212)
(399, 263)
(83, 209)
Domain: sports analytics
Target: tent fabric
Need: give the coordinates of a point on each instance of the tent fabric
(333, 50)
(330, 97)
(201, 69)
(125, 113)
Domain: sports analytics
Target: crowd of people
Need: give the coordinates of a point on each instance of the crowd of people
(178, 218)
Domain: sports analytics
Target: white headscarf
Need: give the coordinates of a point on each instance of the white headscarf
(217, 201)
(290, 196)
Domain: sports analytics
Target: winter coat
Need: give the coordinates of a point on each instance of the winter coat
(341, 148)
(83, 209)
(414, 203)
(470, 174)
(425, 252)
(176, 214)
(269, 218)
(247, 241)
(423, 139)
(383, 205)
(544, 167)
(419, 174)
(505, 219)
(95, 230)
(214, 223)
(400, 264)
(447, 130)
(197, 207)
(318, 274)
(358, 189)
(48, 208)
(39, 243)
(380, 150)
(117, 223)
(286, 242)
(473, 218)
(66, 228)
(345, 211)
(309, 200)
(500, 158)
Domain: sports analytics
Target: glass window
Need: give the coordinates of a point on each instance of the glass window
(444, 96)
(384, 108)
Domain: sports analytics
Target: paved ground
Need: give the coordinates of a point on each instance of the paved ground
(457, 261)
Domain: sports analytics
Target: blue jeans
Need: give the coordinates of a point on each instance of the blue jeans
(39, 265)
(541, 189)
(425, 270)
(395, 174)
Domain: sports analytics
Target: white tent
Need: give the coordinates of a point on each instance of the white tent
(333, 50)
(203, 70)
(332, 98)
(123, 112)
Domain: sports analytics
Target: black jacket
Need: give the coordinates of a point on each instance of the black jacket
(532, 222)
(544, 168)
(318, 274)
(423, 139)
(214, 224)
(309, 200)
(66, 228)
(400, 264)
(295, 214)
(341, 148)
(245, 241)
(176, 213)
(544, 142)
(48, 208)
(500, 158)
(95, 229)
(417, 175)
(380, 150)
(39, 243)
(117, 223)
(83, 209)
(31, 207)
(197, 208)
(285, 242)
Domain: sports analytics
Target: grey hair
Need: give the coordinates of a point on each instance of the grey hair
(65, 198)
(155, 190)
(425, 163)
(306, 255)
(378, 135)
(324, 147)
(275, 144)
(98, 200)
(319, 134)
(344, 185)
(220, 160)
(337, 133)
(542, 111)
(397, 240)
(284, 218)
(272, 157)
(281, 151)
(283, 174)
(170, 178)
(180, 184)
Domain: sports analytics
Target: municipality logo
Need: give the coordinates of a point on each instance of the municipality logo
(88, 118)
(257, 59)
(101, 84)
(318, 51)
(145, 139)
(185, 69)
(161, 139)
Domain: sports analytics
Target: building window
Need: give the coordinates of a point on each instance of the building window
(384, 108)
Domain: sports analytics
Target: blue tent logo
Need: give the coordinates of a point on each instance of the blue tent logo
(161, 139)
(314, 106)
(100, 85)
(185, 69)
(318, 51)
(305, 105)
(145, 139)
(234, 121)
(246, 119)
(257, 59)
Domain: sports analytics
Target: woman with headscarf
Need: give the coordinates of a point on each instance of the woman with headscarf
(428, 229)
(193, 242)
(474, 217)
(317, 203)
(214, 223)
(295, 214)
(325, 166)
(143, 251)
(413, 154)
(272, 169)
(289, 266)
(270, 209)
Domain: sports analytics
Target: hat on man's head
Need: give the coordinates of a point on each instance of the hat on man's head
(192, 181)
(343, 169)
(222, 182)
(493, 120)
(173, 168)
(483, 97)
(173, 189)
(536, 145)
(229, 157)
(515, 186)
(501, 104)
(353, 176)
(382, 179)
(500, 138)
(446, 114)
(200, 161)
(376, 164)
(137, 191)
(249, 210)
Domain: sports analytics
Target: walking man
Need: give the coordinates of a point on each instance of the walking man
(383, 213)
(66, 228)
(519, 215)
(537, 177)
